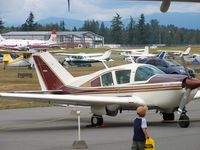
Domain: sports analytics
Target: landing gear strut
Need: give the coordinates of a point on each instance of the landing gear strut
(96, 120)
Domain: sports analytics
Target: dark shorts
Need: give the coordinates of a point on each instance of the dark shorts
(138, 145)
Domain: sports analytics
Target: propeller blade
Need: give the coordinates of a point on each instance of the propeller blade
(68, 5)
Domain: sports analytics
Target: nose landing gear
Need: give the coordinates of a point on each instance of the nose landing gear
(96, 120)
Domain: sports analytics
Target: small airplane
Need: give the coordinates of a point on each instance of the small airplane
(177, 53)
(133, 54)
(21, 60)
(19, 44)
(83, 59)
(112, 90)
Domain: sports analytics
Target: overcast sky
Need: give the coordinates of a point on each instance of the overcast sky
(18, 10)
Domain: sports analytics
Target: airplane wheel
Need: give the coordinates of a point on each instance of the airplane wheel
(184, 121)
(168, 116)
(96, 120)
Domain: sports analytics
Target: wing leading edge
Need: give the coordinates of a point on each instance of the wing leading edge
(82, 100)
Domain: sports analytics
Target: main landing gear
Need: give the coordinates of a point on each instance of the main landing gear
(96, 120)
(184, 120)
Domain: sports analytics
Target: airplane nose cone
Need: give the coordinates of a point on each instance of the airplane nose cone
(191, 83)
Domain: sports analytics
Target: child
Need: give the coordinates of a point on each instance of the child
(140, 129)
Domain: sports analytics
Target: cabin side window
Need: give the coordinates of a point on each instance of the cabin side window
(107, 79)
(123, 76)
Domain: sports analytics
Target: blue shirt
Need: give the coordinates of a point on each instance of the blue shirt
(139, 124)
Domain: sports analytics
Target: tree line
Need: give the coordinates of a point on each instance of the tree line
(135, 33)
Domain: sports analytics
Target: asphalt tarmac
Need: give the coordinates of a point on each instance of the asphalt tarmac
(54, 128)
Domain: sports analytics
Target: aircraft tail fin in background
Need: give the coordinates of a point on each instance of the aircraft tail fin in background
(187, 51)
(53, 37)
(106, 55)
(162, 54)
(1, 38)
(51, 74)
(7, 58)
(146, 50)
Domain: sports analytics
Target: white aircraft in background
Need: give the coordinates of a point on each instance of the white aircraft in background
(176, 52)
(83, 59)
(19, 44)
(133, 54)
(112, 90)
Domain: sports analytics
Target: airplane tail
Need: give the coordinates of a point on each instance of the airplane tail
(51, 74)
(187, 51)
(53, 37)
(1, 38)
(106, 55)
(7, 58)
(146, 50)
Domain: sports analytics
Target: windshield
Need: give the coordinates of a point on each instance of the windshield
(143, 73)
(172, 62)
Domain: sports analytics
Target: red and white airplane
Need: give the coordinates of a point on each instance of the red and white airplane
(19, 44)
(113, 90)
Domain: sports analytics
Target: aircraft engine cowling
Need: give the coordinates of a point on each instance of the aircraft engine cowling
(112, 110)
(165, 5)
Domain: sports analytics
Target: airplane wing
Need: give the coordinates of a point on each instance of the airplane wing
(81, 100)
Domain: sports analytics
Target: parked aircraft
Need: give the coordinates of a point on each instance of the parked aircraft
(177, 53)
(19, 44)
(112, 90)
(133, 54)
(83, 59)
(22, 60)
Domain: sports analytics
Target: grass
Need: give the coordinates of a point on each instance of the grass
(9, 81)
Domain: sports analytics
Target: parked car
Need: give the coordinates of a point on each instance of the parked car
(169, 66)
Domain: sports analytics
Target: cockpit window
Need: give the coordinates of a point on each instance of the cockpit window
(123, 76)
(143, 73)
(107, 79)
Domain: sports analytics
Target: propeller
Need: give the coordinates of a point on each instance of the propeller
(68, 2)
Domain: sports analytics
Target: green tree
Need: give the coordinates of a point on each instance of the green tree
(131, 32)
(29, 24)
(142, 31)
(62, 25)
(154, 32)
(116, 29)
(1, 25)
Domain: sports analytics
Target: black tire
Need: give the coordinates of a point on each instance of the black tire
(168, 116)
(96, 120)
(184, 121)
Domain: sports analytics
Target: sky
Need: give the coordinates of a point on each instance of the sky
(16, 11)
